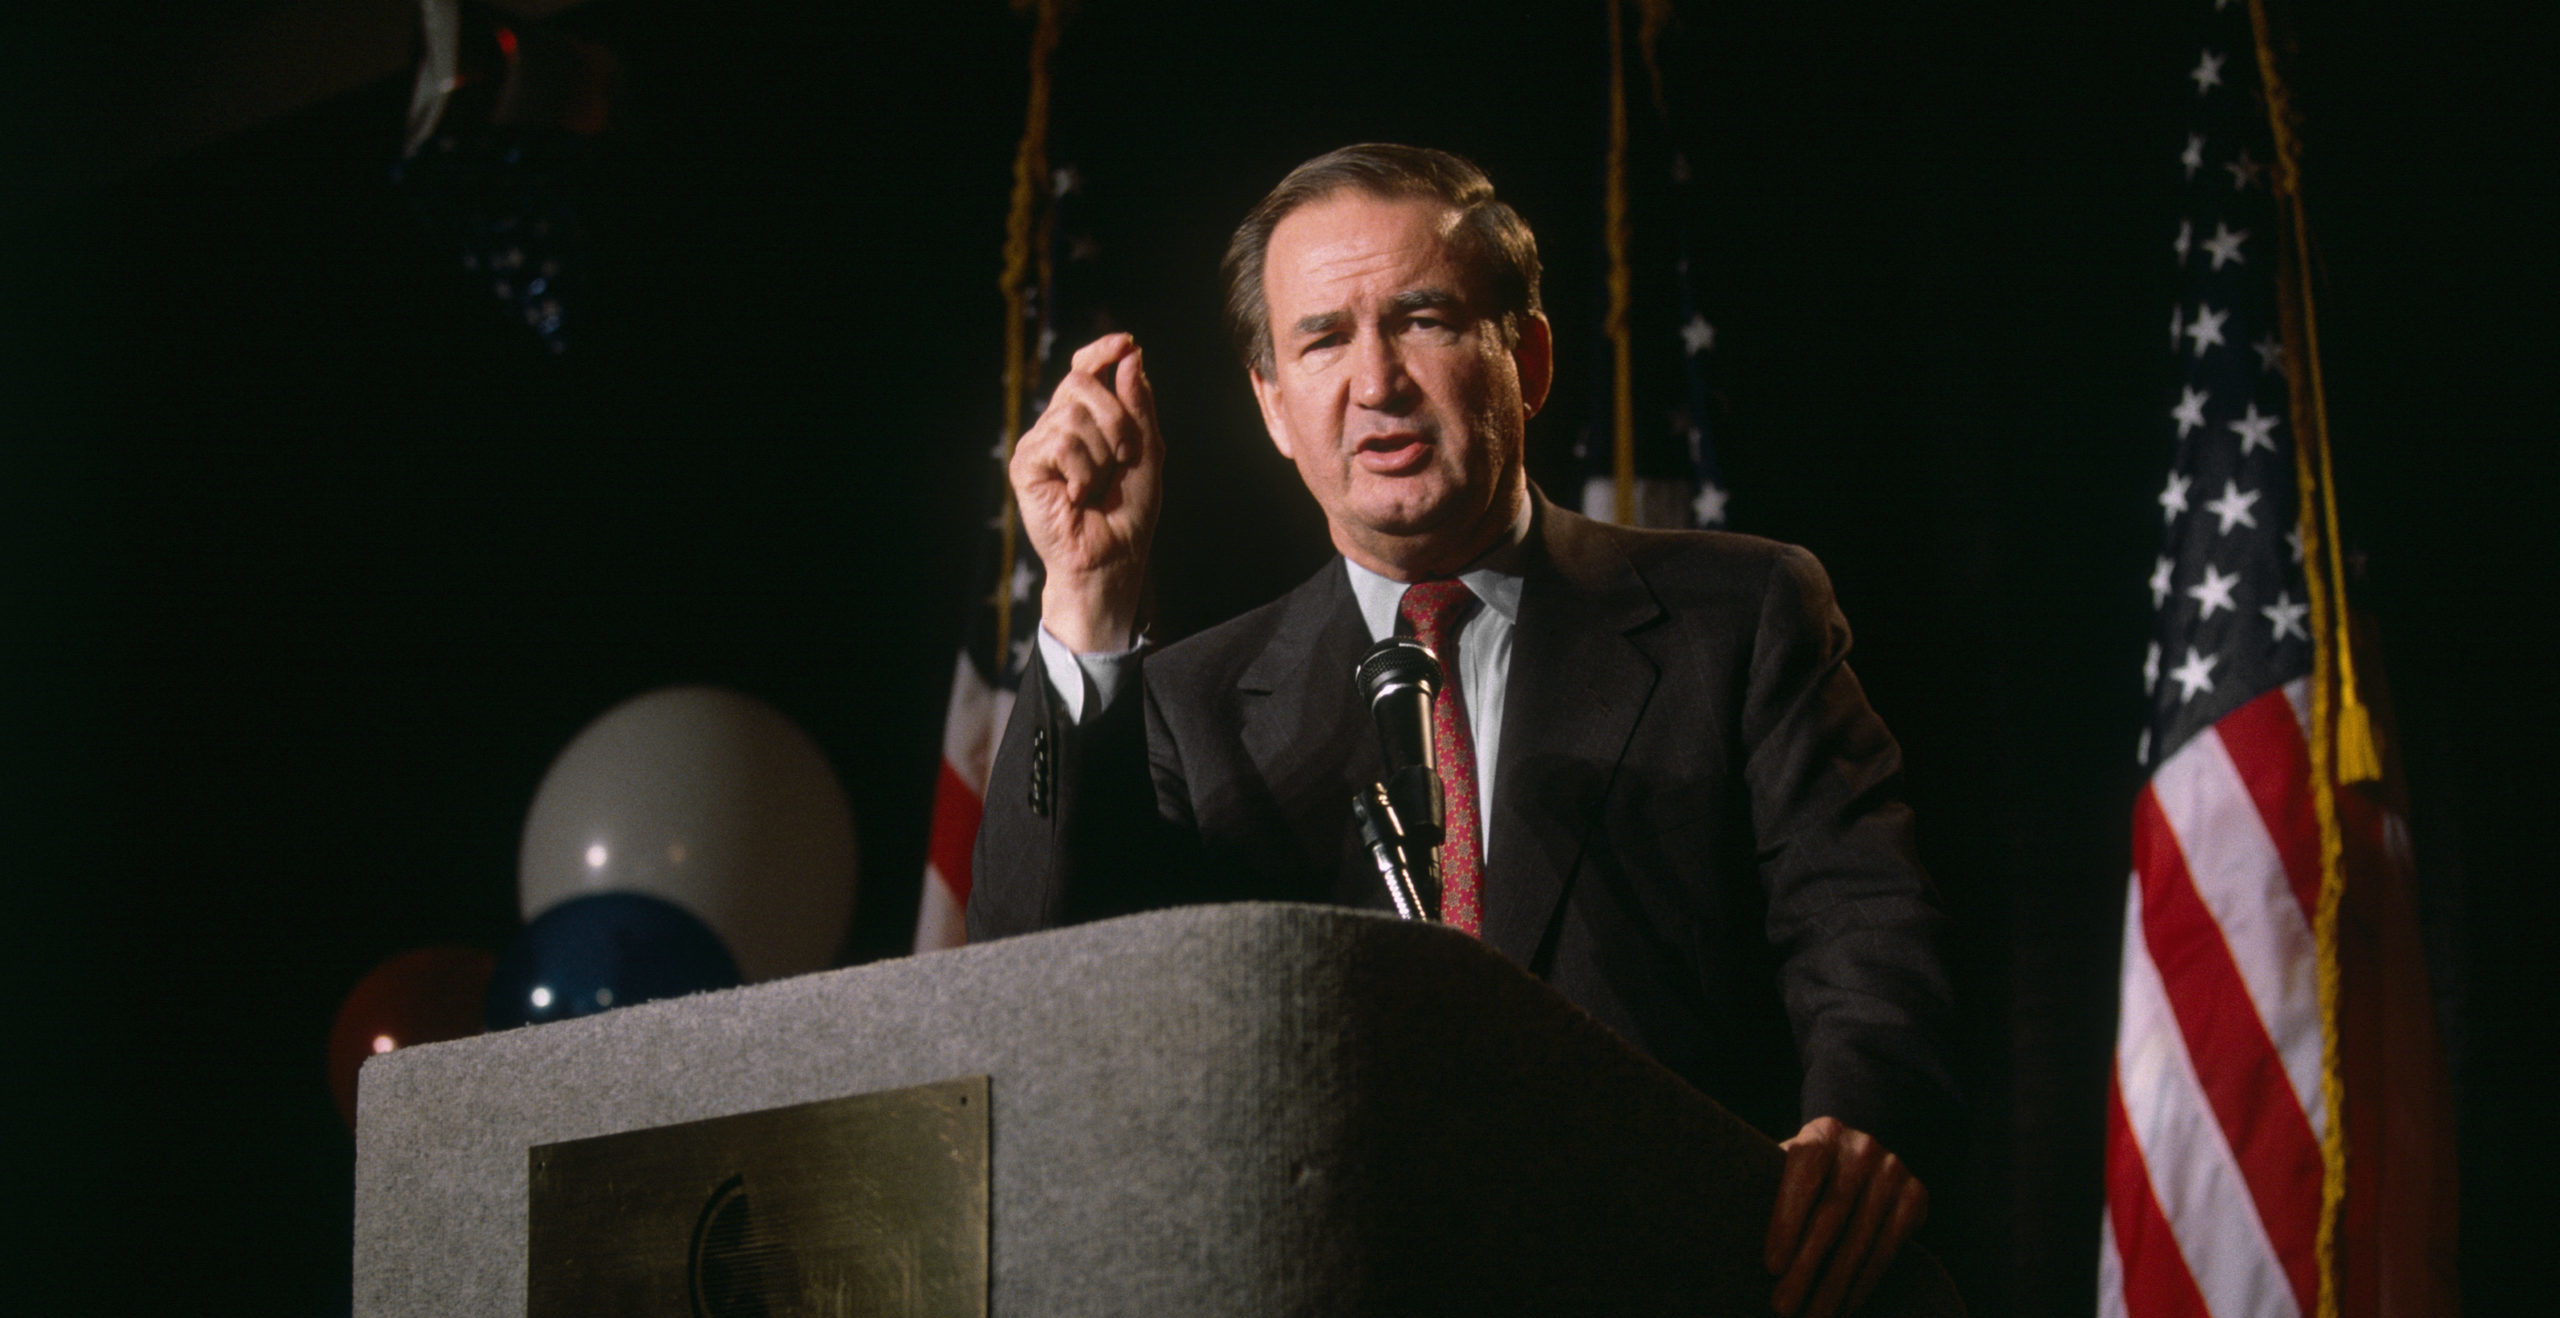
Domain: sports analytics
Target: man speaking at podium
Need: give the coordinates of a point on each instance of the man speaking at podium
(1667, 794)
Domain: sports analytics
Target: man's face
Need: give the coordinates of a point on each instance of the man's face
(1390, 386)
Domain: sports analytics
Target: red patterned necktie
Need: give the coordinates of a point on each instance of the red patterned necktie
(1434, 610)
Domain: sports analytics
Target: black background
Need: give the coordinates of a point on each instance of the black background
(310, 564)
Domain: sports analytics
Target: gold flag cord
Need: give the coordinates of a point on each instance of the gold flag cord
(2341, 741)
(1653, 18)
(1622, 409)
(1025, 255)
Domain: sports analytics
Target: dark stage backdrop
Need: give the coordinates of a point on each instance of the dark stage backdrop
(312, 563)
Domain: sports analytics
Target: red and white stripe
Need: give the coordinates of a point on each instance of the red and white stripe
(2215, 1116)
(971, 728)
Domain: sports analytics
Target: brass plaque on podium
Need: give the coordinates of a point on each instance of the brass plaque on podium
(874, 1204)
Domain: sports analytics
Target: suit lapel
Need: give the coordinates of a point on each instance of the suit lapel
(1307, 735)
(1320, 615)
(1577, 689)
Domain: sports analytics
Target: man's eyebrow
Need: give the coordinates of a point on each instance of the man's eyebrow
(1428, 299)
(1405, 304)
(1322, 322)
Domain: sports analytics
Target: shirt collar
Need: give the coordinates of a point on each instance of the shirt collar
(1495, 576)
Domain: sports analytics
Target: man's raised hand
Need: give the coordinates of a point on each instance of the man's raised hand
(1088, 477)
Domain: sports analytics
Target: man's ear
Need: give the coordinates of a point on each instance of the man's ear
(1266, 395)
(1535, 358)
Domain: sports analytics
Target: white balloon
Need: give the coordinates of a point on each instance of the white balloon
(712, 800)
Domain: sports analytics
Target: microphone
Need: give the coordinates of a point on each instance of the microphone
(1399, 677)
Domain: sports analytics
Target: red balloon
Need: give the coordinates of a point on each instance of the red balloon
(426, 996)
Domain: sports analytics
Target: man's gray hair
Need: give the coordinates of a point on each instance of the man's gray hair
(1493, 243)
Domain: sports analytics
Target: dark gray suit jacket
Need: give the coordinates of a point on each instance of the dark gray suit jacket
(1696, 834)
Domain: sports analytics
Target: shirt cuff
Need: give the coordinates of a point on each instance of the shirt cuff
(1086, 683)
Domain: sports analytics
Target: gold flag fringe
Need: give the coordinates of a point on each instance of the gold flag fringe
(2341, 740)
(1622, 409)
(1026, 260)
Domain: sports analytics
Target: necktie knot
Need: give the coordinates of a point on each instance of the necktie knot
(1431, 606)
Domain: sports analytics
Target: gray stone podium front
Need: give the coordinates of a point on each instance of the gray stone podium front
(1251, 1110)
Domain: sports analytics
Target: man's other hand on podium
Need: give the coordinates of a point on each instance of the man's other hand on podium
(1845, 1205)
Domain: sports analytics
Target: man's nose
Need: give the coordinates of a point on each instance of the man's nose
(1380, 383)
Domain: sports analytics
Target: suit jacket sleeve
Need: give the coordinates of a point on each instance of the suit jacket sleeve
(1078, 824)
(1851, 916)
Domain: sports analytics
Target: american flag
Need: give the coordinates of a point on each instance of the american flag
(1659, 323)
(1062, 310)
(1003, 613)
(989, 672)
(2218, 1116)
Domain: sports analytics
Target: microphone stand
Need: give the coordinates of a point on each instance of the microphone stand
(1390, 847)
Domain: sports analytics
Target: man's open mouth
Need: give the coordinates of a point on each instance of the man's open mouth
(1395, 453)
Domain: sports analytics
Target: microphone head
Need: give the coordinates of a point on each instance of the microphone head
(1399, 662)
(1401, 679)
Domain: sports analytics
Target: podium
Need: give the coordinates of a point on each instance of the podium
(1247, 1109)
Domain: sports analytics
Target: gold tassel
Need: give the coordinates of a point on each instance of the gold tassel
(2359, 752)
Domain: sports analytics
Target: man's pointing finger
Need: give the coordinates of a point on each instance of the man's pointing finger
(1093, 357)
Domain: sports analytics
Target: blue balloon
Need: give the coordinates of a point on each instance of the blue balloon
(607, 950)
